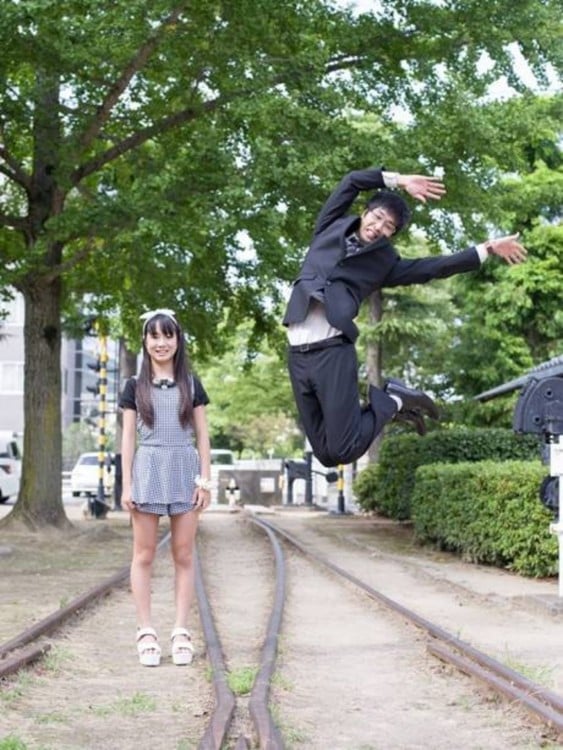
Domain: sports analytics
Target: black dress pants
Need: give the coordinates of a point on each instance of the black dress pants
(325, 386)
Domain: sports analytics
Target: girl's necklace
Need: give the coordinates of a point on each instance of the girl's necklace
(163, 382)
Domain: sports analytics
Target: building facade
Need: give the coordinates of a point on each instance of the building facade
(79, 401)
(11, 365)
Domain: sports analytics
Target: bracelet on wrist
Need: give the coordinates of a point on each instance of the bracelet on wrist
(391, 180)
(203, 483)
(489, 247)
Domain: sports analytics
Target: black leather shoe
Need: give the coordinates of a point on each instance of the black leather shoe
(413, 400)
(413, 418)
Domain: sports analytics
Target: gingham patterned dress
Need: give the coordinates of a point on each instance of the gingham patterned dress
(166, 461)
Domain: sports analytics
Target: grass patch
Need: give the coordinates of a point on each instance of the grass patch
(292, 736)
(55, 659)
(279, 681)
(241, 680)
(12, 743)
(16, 689)
(543, 675)
(139, 703)
(53, 717)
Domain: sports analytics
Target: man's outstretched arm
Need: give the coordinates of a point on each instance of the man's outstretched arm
(508, 248)
(420, 187)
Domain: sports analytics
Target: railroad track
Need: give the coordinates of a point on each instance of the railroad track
(230, 710)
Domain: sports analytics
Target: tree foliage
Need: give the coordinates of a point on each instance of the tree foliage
(252, 410)
(173, 154)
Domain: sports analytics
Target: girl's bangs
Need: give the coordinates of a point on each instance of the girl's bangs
(162, 322)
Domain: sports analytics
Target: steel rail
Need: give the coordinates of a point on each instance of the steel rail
(222, 715)
(269, 736)
(53, 621)
(547, 714)
(544, 703)
(27, 656)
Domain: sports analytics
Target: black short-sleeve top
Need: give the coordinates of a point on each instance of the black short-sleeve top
(127, 398)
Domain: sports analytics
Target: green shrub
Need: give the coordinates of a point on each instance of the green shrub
(387, 486)
(488, 512)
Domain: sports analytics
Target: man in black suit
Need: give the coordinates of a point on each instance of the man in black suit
(349, 257)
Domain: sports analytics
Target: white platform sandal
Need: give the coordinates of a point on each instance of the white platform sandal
(148, 649)
(182, 648)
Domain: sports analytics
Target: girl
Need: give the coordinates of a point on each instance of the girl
(167, 475)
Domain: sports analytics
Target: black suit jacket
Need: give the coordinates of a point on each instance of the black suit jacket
(344, 282)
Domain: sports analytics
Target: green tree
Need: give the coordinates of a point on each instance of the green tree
(77, 438)
(510, 322)
(252, 410)
(104, 107)
(464, 335)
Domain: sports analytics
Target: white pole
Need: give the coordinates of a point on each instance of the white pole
(556, 470)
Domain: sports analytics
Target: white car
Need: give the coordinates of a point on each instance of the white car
(10, 467)
(85, 476)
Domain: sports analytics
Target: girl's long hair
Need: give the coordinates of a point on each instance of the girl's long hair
(182, 373)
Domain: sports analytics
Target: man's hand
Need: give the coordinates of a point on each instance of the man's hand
(421, 187)
(508, 248)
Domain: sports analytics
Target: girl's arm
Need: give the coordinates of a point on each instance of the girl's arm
(202, 496)
(127, 453)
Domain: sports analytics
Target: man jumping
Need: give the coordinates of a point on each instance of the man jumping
(351, 256)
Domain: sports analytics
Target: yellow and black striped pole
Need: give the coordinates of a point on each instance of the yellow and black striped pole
(102, 408)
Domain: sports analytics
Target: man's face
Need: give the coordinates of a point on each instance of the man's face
(376, 223)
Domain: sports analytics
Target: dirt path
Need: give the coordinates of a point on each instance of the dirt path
(354, 677)
(91, 692)
(350, 676)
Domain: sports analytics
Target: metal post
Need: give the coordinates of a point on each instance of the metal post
(309, 478)
(556, 470)
(340, 488)
(290, 491)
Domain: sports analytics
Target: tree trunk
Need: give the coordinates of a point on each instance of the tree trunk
(374, 362)
(127, 368)
(39, 502)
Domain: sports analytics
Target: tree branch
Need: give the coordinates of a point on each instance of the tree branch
(141, 136)
(15, 222)
(8, 172)
(69, 264)
(15, 171)
(112, 97)
(178, 118)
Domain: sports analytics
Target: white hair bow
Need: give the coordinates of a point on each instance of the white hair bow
(145, 317)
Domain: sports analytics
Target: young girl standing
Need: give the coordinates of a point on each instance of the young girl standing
(169, 474)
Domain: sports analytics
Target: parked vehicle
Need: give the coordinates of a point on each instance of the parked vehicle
(10, 466)
(85, 477)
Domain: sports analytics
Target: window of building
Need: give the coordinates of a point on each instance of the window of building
(15, 311)
(11, 377)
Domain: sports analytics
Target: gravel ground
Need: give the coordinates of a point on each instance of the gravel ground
(350, 675)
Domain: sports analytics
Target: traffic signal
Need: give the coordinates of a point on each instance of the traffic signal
(96, 366)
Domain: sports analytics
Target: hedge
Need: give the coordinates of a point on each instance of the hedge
(387, 486)
(487, 512)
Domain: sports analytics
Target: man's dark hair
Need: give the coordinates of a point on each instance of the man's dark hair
(394, 204)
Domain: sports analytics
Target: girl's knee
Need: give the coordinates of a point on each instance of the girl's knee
(144, 556)
(182, 556)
